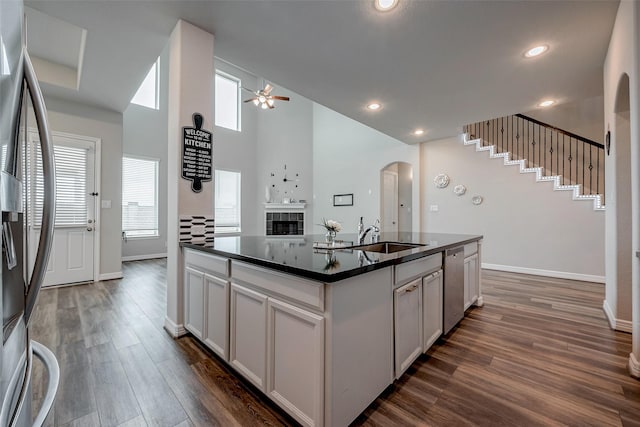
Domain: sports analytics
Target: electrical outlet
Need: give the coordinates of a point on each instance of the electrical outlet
(433, 208)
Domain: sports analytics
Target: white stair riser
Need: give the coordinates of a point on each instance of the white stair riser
(540, 177)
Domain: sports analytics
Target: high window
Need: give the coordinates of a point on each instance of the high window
(227, 201)
(139, 197)
(147, 94)
(227, 101)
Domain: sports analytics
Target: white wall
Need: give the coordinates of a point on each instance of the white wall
(107, 125)
(618, 63)
(526, 225)
(622, 58)
(145, 135)
(584, 117)
(347, 158)
(285, 137)
(236, 151)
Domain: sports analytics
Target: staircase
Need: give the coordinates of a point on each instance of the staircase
(573, 163)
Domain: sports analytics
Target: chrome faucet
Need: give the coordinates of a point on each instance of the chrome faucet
(362, 233)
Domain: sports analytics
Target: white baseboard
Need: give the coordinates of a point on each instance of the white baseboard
(616, 324)
(143, 257)
(173, 328)
(547, 273)
(110, 276)
(634, 366)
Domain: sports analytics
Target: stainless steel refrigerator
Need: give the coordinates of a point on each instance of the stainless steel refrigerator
(20, 287)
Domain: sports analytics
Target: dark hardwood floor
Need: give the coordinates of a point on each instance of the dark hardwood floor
(539, 352)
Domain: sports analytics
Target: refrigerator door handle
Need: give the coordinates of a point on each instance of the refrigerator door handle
(48, 170)
(53, 371)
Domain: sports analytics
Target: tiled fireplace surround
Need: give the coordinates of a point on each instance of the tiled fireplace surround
(284, 223)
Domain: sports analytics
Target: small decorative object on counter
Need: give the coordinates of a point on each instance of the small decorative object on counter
(459, 189)
(332, 227)
(477, 200)
(441, 180)
(332, 263)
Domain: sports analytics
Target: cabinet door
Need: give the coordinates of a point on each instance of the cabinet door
(194, 301)
(407, 302)
(295, 361)
(432, 306)
(216, 334)
(248, 339)
(470, 280)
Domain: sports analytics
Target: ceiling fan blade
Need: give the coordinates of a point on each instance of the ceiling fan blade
(282, 98)
(271, 107)
(267, 89)
(249, 100)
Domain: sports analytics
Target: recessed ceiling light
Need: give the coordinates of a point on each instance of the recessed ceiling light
(418, 132)
(535, 51)
(374, 106)
(385, 5)
(546, 103)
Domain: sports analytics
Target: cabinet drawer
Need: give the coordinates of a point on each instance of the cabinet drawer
(470, 249)
(295, 289)
(418, 267)
(206, 262)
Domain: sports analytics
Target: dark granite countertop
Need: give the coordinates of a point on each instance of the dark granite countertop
(297, 255)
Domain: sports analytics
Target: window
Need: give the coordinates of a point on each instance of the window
(227, 94)
(139, 197)
(147, 94)
(71, 186)
(227, 201)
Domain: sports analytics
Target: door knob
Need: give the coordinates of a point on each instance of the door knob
(89, 229)
(90, 221)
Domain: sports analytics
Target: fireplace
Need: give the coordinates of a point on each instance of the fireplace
(284, 223)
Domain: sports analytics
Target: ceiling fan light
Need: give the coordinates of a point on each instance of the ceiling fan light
(264, 106)
(270, 102)
(256, 102)
(262, 99)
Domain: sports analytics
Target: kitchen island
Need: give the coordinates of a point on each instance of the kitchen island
(323, 331)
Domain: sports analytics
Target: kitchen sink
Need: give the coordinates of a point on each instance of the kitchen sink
(387, 247)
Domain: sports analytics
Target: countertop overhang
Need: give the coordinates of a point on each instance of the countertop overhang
(296, 254)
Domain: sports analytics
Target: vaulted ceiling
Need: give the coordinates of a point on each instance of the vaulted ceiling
(434, 65)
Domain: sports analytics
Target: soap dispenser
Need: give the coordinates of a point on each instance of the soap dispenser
(360, 227)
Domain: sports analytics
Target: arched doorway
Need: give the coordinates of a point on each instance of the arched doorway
(618, 291)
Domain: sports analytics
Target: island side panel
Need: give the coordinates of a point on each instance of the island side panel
(358, 344)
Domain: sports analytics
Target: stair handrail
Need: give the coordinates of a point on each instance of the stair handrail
(562, 131)
(525, 138)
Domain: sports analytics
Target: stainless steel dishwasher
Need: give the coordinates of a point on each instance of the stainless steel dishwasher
(453, 287)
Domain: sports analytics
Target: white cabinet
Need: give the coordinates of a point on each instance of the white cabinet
(194, 301)
(216, 333)
(248, 334)
(471, 280)
(295, 361)
(407, 301)
(432, 307)
(279, 348)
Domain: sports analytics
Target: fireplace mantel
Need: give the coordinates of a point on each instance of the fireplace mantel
(285, 206)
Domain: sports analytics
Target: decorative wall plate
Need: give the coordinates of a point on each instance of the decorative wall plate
(441, 180)
(459, 189)
(476, 200)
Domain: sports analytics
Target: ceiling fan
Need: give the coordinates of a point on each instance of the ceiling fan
(264, 99)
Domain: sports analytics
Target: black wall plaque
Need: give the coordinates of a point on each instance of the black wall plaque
(197, 158)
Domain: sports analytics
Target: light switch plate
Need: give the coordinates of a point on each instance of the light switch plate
(433, 208)
(106, 204)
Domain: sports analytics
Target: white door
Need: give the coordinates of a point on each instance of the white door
(72, 251)
(389, 201)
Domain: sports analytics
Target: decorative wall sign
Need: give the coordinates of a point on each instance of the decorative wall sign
(197, 158)
(441, 180)
(343, 199)
(459, 189)
(477, 200)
